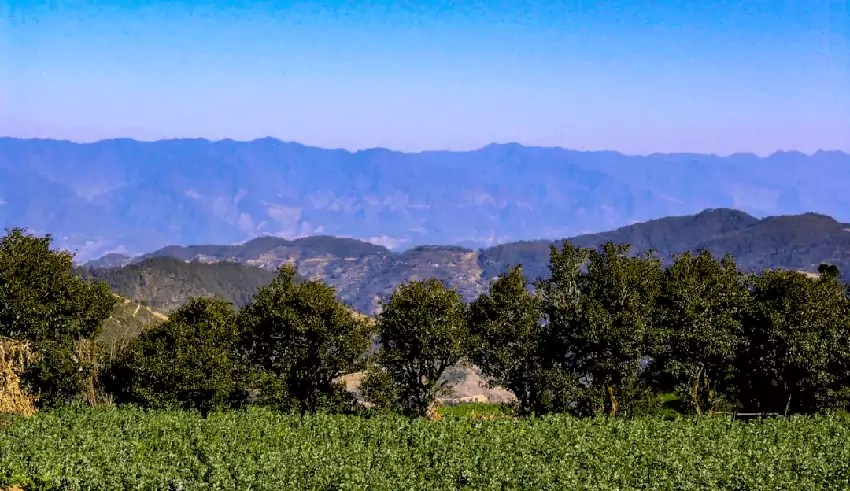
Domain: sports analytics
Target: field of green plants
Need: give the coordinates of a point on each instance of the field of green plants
(254, 449)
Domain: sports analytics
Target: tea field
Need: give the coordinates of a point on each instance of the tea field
(255, 449)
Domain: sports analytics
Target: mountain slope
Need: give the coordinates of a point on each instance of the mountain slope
(364, 274)
(126, 196)
(165, 283)
(128, 319)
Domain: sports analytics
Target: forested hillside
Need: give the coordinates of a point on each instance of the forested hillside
(364, 274)
(165, 283)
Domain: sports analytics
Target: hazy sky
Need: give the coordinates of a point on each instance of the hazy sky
(634, 76)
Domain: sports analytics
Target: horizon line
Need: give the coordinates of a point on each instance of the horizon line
(385, 149)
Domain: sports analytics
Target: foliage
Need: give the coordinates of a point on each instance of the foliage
(700, 313)
(796, 332)
(185, 362)
(379, 388)
(297, 339)
(128, 448)
(423, 331)
(478, 411)
(559, 296)
(506, 339)
(608, 332)
(43, 302)
(615, 323)
(599, 308)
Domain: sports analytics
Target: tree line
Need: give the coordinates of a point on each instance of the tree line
(606, 333)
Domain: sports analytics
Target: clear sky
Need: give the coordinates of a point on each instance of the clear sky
(634, 76)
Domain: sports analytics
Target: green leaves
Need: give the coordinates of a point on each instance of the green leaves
(796, 332)
(598, 307)
(423, 331)
(186, 362)
(610, 332)
(699, 318)
(507, 335)
(297, 339)
(614, 321)
(43, 302)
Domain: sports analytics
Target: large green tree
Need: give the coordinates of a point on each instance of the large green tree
(43, 302)
(796, 335)
(700, 311)
(506, 340)
(561, 369)
(297, 339)
(185, 362)
(423, 331)
(600, 315)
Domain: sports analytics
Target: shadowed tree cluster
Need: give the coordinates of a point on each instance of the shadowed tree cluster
(610, 333)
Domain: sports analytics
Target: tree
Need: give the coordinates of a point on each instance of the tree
(298, 339)
(700, 310)
(795, 332)
(186, 362)
(559, 299)
(43, 302)
(506, 332)
(423, 331)
(829, 270)
(601, 319)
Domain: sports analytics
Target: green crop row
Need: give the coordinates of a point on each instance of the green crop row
(258, 449)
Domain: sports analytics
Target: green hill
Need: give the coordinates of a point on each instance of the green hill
(165, 283)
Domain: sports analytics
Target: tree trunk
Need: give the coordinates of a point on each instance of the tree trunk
(695, 393)
(712, 395)
(613, 399)
(532, 401)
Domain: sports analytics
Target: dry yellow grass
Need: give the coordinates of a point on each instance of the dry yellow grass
(14, 357)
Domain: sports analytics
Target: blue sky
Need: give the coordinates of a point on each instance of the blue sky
(634, 76)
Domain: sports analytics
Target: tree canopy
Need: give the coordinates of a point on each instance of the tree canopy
(297, 339)
(42, 301)
(185, 362)
(423, 331)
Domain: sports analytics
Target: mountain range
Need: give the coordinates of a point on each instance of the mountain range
(364, 273)
(128, 197)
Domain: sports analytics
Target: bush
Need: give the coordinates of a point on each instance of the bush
(186, 362)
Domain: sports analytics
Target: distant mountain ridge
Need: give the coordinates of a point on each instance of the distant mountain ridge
(126, 197)
(365, 273)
